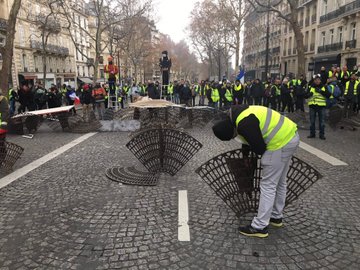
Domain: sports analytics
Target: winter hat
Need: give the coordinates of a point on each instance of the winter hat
(86, 87)
(224, 129)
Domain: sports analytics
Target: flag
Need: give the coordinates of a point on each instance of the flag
(241, 75)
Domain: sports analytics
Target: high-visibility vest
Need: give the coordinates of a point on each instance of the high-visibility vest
(11, 94)
(3, 124)
(196, 88)
(342, 74)
(228, 95)
(277, 130)
(237, 88)
(171, 89)
(126, 89)
(317, 98)
(113, 68)
(347, 87)
(215, 96)
(277, 90)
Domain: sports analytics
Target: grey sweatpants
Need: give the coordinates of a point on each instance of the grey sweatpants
(275, 166)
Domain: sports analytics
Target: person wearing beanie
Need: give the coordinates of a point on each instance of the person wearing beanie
(275, 138)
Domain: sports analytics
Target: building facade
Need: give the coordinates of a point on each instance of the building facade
(330, 33)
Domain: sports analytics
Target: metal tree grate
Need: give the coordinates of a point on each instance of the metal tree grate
(163, 149)
(77, 124)
(9, 154)
(236, 180)
(131, 176)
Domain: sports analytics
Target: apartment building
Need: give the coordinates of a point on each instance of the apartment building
(254, 49)
(330, 33)
(41, 42)
(337, 33)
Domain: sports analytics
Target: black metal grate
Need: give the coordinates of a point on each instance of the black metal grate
(236, 179)
(131, 176)
(109, 114)
(163, 149)
(9, 154)
(77, 124)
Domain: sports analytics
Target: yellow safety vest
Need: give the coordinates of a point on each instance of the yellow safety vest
(228, 95)
(215, 97)
(170, 89)
(317, 98)
(277, 130)
(347, 87)
(237, 87)
(277, 90)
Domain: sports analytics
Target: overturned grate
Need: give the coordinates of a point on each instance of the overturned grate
(163, 149)
(236, 180)
(78, 125)
(131, 176)
(9, 154)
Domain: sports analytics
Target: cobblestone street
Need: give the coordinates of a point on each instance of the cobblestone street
(67, 214)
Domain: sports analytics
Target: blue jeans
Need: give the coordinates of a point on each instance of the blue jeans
(320, 110)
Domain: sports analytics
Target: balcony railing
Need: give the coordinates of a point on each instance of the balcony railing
(50, 48)
(276, 50)
(330, 47)
(348, 8)
(350, 44)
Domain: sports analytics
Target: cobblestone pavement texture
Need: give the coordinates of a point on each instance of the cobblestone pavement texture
(67, 215)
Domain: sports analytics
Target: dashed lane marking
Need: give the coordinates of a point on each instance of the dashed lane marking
(324, 156)
(183, 228)
(37, 163)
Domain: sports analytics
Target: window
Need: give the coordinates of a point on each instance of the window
(340, 32)
(331, 36)
(325, 6)
(24, 62)
(322, 39)
(353, 31)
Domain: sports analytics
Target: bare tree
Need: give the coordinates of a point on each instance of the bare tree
(106, 17)
(6, 52)
(211, 37)
(291, 16)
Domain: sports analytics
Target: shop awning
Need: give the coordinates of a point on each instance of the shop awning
(85, 80)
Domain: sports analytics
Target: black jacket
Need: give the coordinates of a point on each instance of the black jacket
(152, 91)
(249, 129)
(185, 93)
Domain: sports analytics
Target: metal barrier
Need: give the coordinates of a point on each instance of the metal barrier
(236, 177)
(163, 149)
(9, 154)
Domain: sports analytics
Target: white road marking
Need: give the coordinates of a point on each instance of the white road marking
(183, 229)
(324, 156)
(37, 163)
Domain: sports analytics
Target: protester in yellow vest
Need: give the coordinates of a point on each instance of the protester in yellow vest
(317, 95)
(215, 96)
(275, 137)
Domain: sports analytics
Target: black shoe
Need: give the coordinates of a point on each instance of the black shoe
(322, 137)
(276, 222)
(311, 136)
(251, 231)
